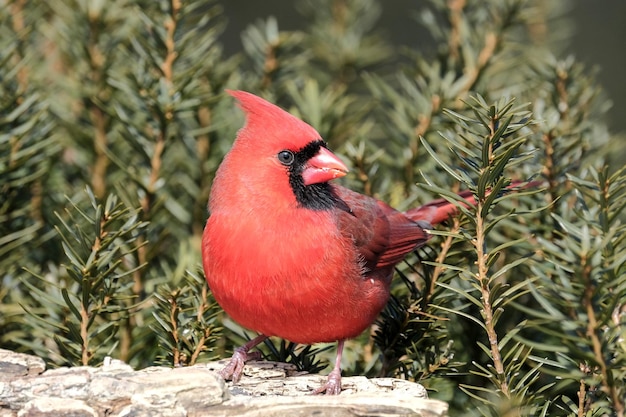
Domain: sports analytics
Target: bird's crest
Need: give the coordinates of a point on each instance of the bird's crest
(266, 122)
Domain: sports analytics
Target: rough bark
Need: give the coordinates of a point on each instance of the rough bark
(267, 389)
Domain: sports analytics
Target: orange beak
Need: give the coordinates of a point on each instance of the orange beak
(322, 167)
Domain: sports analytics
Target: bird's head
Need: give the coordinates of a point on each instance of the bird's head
(284, 155)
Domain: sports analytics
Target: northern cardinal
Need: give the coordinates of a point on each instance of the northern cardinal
(288, 254)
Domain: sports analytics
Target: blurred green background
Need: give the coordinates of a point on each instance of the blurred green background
(128, 99)
(597, 36)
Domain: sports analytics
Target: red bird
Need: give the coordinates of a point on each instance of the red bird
(288, 254)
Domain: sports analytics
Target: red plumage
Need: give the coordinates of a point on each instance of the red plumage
(286, 253)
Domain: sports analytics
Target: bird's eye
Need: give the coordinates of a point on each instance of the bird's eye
(286, 157)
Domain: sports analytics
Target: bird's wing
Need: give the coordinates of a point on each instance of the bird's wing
(382, 235)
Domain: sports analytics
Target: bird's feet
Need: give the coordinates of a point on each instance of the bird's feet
(241, 355)
(332, 386)
(234, 369)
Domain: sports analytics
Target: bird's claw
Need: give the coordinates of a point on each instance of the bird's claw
(332, 386)
(234, 369)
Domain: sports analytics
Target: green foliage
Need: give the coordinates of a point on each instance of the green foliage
(582, 287)
(303, 357)
(84, 303)
(516, 307)
(486, 143)
(186, 327)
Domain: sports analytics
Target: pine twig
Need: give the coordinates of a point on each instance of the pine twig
(484, 281)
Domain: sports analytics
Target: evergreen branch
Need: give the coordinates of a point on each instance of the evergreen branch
(170, 44)
(304, 358)
(582, 394)
(484, 282)
(587, 245)
(98, 275)
(186, 319)
(488, 155)
(101, 164)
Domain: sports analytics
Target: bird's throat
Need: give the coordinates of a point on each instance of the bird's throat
(315, 196)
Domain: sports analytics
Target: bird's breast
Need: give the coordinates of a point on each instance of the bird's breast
(294, 276)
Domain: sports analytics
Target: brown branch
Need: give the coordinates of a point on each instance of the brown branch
(548, 170)
(483, 278)
(446, 245)
(97, 243)
(174, 323)
(98, 178)
(156, 160)
(550, 139)
(491, 45)
(200, 346)
(170, 26)
(489, 50)
(146, 205)
(596, 344)
(269, 66)
(36, 201)
(155, 167)
(424, 123)
(456, 18)
(84, 334)
(492, 42)
(202, 307)
(563, 97)
(126, 337)
(98, 118)
(582, 391)
(168, 71)
(85, 314)
(480, 243)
